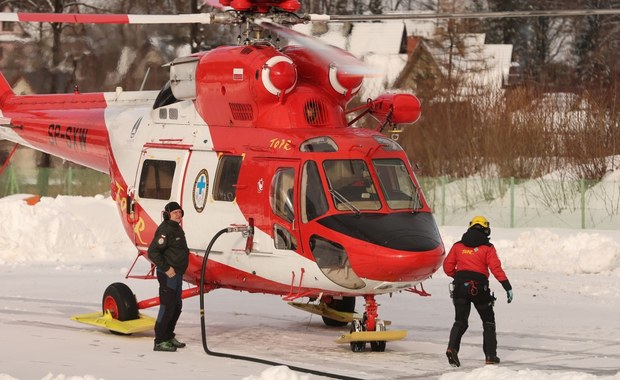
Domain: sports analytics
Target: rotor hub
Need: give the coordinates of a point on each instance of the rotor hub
(261, 6)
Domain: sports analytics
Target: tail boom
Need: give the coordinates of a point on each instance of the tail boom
(70, 126)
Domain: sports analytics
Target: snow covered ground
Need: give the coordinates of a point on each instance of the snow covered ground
(58, 256)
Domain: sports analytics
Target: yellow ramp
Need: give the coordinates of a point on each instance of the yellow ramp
(143, 323)
(372, 336)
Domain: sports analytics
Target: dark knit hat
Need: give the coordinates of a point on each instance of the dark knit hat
(170, 207)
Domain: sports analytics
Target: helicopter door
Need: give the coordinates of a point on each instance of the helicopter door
(203, 217)
(282, 199)
(158, 181)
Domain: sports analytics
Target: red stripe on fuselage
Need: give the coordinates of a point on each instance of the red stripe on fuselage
(70, 126)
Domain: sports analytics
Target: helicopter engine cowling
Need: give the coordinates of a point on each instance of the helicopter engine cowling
(241, 82)
(258, 86)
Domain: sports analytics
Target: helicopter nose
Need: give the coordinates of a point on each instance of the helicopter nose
(392, 265)
(393, 247)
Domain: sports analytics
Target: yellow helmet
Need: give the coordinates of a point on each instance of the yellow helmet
(479, 220)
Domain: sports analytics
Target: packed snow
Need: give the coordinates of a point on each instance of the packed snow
(58, 255)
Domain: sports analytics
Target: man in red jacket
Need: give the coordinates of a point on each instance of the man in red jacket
(469, 262)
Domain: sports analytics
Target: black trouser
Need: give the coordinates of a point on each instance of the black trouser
(170, 305)
(464, 295)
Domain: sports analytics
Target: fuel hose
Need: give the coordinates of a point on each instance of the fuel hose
(203, 328)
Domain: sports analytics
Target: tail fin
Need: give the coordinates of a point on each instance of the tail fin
(5, 89)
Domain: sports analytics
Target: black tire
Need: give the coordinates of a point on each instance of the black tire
(357, 325)
(346, 304)
(120, 301)
(358, 346)
(377, 346)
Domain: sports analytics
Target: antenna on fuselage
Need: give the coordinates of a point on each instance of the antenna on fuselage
(146, 75)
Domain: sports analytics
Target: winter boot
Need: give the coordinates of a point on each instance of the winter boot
(176, 343)
(453, 357)
(492, 360)
(164, 346)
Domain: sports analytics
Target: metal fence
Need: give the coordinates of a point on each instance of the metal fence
(515, 203)
(507, 202)
(54, 181)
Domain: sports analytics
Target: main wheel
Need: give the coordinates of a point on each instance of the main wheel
(120, 301)
(346, 304)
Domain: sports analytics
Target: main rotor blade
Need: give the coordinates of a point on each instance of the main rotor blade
(345, 61)
(433, 16)
(87, 18)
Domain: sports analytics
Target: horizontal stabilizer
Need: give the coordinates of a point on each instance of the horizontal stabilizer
(372, 336)
(143, 323)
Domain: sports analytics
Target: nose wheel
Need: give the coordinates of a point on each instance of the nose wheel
(357, 326)
(375, 345)
(378, 345)
(370, 330)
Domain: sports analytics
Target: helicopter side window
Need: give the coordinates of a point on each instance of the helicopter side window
(351, 185)
(313, 200)
(396, 184)
(226, 177)
(283, 239)
(281, 195)
(319, 144)
(156, 179)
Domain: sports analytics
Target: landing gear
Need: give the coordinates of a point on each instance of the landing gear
(119, 312)
(370, 330)
(120, 302)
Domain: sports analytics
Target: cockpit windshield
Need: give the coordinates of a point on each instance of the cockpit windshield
(352, 188)
(351, 185)
(396, 184)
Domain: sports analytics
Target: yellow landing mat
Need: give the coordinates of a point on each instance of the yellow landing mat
(371, 336)
(143, 323)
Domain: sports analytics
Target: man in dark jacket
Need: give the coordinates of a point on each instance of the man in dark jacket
(169, 252)
(469, 262)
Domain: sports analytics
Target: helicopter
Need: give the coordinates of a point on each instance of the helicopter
(254, 141)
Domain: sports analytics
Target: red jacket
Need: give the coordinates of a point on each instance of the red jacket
(473, 257)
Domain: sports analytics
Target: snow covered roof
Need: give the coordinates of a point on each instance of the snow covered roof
(421, 28)
(479, 64)
(376, 38)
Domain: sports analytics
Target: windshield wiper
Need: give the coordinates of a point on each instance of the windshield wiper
(345, 201)
(416, 203)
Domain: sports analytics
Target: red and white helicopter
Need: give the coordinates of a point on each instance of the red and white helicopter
(252, 139)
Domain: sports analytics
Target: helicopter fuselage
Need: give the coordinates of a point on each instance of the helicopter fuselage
(263, 140)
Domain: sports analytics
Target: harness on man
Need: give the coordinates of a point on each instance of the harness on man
(477, 292)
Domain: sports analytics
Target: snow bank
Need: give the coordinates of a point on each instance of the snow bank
(61, 229)
(573, 252)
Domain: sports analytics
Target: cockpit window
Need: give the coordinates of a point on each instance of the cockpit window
(281, 196)
(319, 144)
(351, 185)
(313, 200)
(387, 144)
(396, 184)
